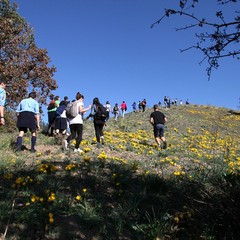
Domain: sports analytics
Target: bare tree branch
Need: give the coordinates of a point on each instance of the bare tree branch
(219, 36)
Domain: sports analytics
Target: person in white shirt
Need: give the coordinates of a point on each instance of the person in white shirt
(108, 107)
(76, 124)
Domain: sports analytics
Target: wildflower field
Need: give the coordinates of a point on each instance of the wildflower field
(129, 188)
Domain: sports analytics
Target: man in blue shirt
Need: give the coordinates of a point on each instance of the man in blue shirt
(2, 101)
(28, 117)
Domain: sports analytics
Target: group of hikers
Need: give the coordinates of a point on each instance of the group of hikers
(65, 115)
(168, 102)
(59, 119)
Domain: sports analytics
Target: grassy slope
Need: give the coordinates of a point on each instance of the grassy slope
(129, 189)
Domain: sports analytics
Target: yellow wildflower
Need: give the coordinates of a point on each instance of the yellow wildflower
(52, 197)
(78, 197)
(51, 220)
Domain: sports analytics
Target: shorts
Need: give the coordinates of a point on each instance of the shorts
(158, 130)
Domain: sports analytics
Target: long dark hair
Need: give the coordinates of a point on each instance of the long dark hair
(96, 101)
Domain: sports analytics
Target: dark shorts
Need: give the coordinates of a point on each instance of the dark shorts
(158, 130)
(26, 120)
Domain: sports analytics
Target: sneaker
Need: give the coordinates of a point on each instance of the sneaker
(66, 144)
(78, 150)
(164, 145)
(102, 140)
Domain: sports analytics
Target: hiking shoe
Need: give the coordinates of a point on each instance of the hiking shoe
(164, 145)
(33, 150)
(78, 150)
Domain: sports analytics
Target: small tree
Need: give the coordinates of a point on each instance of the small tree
(22, 64)
(218, 39)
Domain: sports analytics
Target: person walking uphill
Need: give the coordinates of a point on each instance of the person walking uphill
(98, 121)
(61, 123)
(52, 107)
(123, 108)
(76, 123)
(158, 119)
(2, 101)
(28, 117)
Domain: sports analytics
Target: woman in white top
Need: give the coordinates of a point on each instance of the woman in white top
(108, 107)
(76, 124)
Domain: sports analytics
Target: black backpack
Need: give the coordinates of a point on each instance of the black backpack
(101, 113)
(115, 109)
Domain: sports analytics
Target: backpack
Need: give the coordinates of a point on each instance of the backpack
(115, 109)
(60, 110)
(51, 105)
(101, 113)
(72, 109)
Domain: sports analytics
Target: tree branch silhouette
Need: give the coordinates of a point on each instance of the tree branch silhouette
(216, 40)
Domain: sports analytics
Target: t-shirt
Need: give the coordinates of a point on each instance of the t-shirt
(28, 105)
(108, 107)
(79, 118)
(2, 96)
(123, 106)
(158, 117)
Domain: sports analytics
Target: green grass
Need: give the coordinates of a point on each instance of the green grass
(129, 189)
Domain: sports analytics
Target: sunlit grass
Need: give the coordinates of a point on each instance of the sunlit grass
(129, 185)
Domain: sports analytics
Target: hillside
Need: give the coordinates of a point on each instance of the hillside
(129, 188)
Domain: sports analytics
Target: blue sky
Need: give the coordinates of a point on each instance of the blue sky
(107, 49)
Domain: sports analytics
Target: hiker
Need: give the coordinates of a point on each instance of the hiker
(115, 111)
(144, 103)
(2, 101)
(168, 102)
(28, 117)
(61, 123)
(66, 100)
(134, 106)
(76, 123)
(165, 101)
(52, 107)
(158, 119)
(123, 108)
(176, 102)
(98, 122)
(108, 107)
(139, 106)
